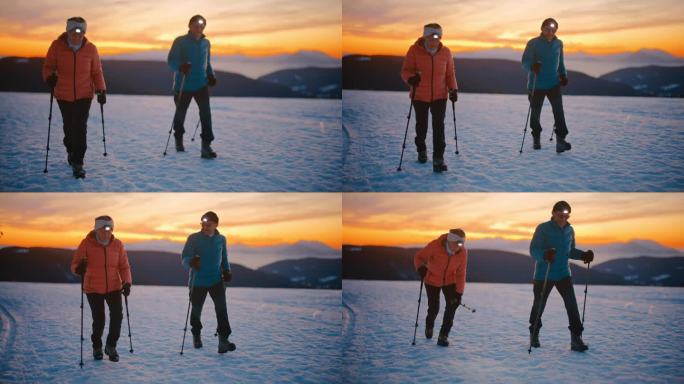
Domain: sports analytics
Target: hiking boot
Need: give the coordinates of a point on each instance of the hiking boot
(428, 332)
(562, 145)
(207, 152)
(97, 353)
(576, 343)
(422, 157)
(534, 339)
(443, 340)
(179, 143)
(77, 171)
(197, 341)
(537, 141)
(111, 352)
(225, 345)
(438, 165)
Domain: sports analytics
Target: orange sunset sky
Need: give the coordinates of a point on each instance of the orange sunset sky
(254, 28)
(593, 26)
(598, 218)
(257, 219)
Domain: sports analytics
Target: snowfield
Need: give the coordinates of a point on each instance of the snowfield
(263, 145)
(282, 335)
(634, 334)
(618, 144)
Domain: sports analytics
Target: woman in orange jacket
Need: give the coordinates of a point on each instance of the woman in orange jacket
(73, 70)
(429, 70)
(442, 266)
(103, 263)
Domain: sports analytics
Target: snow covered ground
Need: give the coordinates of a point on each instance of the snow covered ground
(619, 144)
(634, 334)
(282, 335)
(262, 144)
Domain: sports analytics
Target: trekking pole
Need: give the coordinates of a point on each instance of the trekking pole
(104, 140)
(539, 305)
(180, 95)
(81, 363)
(586, 284)
(468, 308)
(128, 319)
(187, 315)
(197, 126)
(534, 85)
(453, 109)
(408, 119)
(47, 147)
(420, 296)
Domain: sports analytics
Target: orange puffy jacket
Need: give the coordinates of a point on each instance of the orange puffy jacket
(442, 268)
(107, 267)
(79, 73)
(436, 72)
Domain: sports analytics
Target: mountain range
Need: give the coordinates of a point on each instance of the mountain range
(164, 268)
(138, 77)
(494, 266)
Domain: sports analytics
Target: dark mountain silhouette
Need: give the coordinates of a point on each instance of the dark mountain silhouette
(311, 82)
(645, 270)
(310, 272)
(653, 80)
(474, 75)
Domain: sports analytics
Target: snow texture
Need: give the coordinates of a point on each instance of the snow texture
(634, 335)
(263, 145)
(618, 144)
(282, 335)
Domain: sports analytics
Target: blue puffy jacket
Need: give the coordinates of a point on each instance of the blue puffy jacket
(186, 49)
(550, 54)
(551, 235)
(213, 257)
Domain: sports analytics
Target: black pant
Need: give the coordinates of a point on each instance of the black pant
(201, 97)
(96, 302)
(218, 295)
(75, 120)
(556, 98)
(567, 292)
(449, 292)
(438, 109)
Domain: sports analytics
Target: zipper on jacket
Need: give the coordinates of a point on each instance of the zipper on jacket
(106, 276)
(74, 76)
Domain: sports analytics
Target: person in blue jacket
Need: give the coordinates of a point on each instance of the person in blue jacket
(206, 256)
(543, 60)
(553, 244)
(190, 58)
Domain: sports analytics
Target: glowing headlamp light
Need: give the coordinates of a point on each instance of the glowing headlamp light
(565, 211)
(205, 220)
(435, 36)
(107, 228)
(78, 30)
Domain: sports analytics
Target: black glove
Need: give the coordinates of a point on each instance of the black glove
(550, 255)
(414, 80)
(185, 68)
(457, 299)
(52, 80)
(82, 266)
(453, 95)
(126, 289)
(422, 271)
(227, 276)
(195, 262)
(563, 80)
(588, 256)
(212, 80)
(102, 96)
(536, 67)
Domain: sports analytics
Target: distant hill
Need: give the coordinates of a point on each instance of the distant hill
(144, 78)
(153, 268)
(493, 266)
(652, 80)
(474, 75)
(311, 82)
(310, 272)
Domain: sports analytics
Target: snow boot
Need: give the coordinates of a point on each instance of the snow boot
(197, 341)
(438, 165)
(428, 332)
(576, 343)
(534, 339)
(562, 145)
(207, 152)
(443, 340)
(97, 353)
(225, 345)
(537, 141)
(179, 143)
(78, 171)
(422, 157)
(112, 353)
